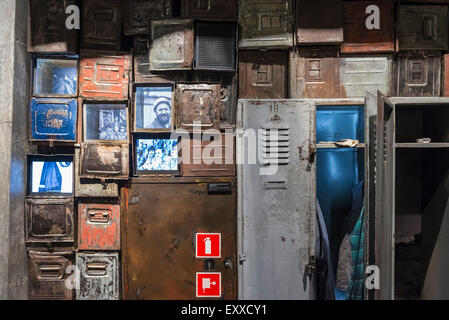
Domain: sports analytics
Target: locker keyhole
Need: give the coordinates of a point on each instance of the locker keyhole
(208, 265)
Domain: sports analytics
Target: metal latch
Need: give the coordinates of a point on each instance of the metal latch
(242, 258)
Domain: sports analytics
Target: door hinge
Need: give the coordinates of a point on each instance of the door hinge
(310, 267)
(242, 258)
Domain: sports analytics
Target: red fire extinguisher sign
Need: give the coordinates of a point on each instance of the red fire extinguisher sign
(208, 245)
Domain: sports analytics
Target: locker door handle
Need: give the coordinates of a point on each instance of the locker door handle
(50, 272)
(99, 216)
(429, 27)
(96, 269)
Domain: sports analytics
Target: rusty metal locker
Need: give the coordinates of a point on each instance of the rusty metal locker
(215, 46)
(102, 24)
(137, 14)
(47, 275)
(104, 161)
(319, 22)
(197, 105)
(266, 24)
(171, 44)
(228, 94)
(205, 158)
(422, 27)
(446, 75)
(362, 32)
(417, 74)
(99, 276)
(163, 238)
(209, 9)
(263, 75)
(98, 227)
(49, 220)
(104, 75)
(47, 31)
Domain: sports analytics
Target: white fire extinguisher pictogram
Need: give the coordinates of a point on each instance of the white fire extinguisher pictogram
(207, 246)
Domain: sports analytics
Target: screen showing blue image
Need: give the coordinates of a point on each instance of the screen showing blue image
(157, 154)
(51, 177)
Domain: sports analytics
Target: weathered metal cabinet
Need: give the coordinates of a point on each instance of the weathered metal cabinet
(276, 204)
(137, 14)
(198, 105)
(417, 74)
(263, 75)
(47, 275)
(423, 27)
(209, 9)
(163, 218)
(104, 75)
(171, 46)
(319, 22)
(102, 24)
(411, 184)
(446, 75)
(362, 34)
(98, 226)
(104, 161)
(99, 276)
(47, 30)
(209, 159)
(266, 24)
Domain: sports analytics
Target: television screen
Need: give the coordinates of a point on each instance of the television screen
(154, 107)
(106, 122)
(55, 76)
(51, 176)
(159, 155)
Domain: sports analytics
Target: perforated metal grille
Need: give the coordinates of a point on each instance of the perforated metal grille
(215, 46)
(275, 146)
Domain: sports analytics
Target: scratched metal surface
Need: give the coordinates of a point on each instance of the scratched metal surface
(137, 14)
(209, 9)
(104, 160)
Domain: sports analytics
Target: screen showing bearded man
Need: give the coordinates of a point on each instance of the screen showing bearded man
(153, 107)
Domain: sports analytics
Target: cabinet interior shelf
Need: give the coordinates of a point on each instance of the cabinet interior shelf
(331, 145)
(422, 145)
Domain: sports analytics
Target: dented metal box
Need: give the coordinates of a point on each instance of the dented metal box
(47, 30)
(205, 158)
(53, 119)
(417, 74)
(104, 161)
(263, 75)
(163, 218)
(47, 275)
(197, 105)
(102, 24)
(137, 14)
(171, 44)
(209, 9)
(368, 26)
(446, 75)
(319, 22)
(49, 220)
(215, 46)
(98, 226)
(228, 94)
(266, 24)
(423, 27)
(104, 75)
(99, 276)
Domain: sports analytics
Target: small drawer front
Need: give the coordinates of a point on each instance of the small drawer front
(210, 9)
(138, 14)
(103, 160)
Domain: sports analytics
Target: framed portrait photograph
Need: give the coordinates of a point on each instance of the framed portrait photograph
(105, 122)
(153, 108)
(156, 154)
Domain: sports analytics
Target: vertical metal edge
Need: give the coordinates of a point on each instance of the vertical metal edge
(123, 239)
(313, 225)
(240, 193)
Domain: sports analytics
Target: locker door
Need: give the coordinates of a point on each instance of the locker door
(158, 237)
(276, 203)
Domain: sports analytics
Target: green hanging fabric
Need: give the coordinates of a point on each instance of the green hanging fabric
(356, 284)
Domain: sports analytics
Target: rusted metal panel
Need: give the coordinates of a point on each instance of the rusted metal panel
(314, 73)
(47, 275)
(446, 76)
(99, 274)
(358, 38)
(171, 44)
(209, 9)
(319, 22)
(102, 24)
(137, 14)
(209, 158)
(104, 161)
(164, 237)
(49, 220)
(359, 75)
(87, 188)
(417, 75)
(422, 27)
(263, 75)
(47, 30)
(53, 119)
(104, 75)
(98, 226)
(215, 46)
(228, 94)
(198, 105)
(266, 24)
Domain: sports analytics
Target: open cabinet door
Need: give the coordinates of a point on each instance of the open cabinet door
(384, 205)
